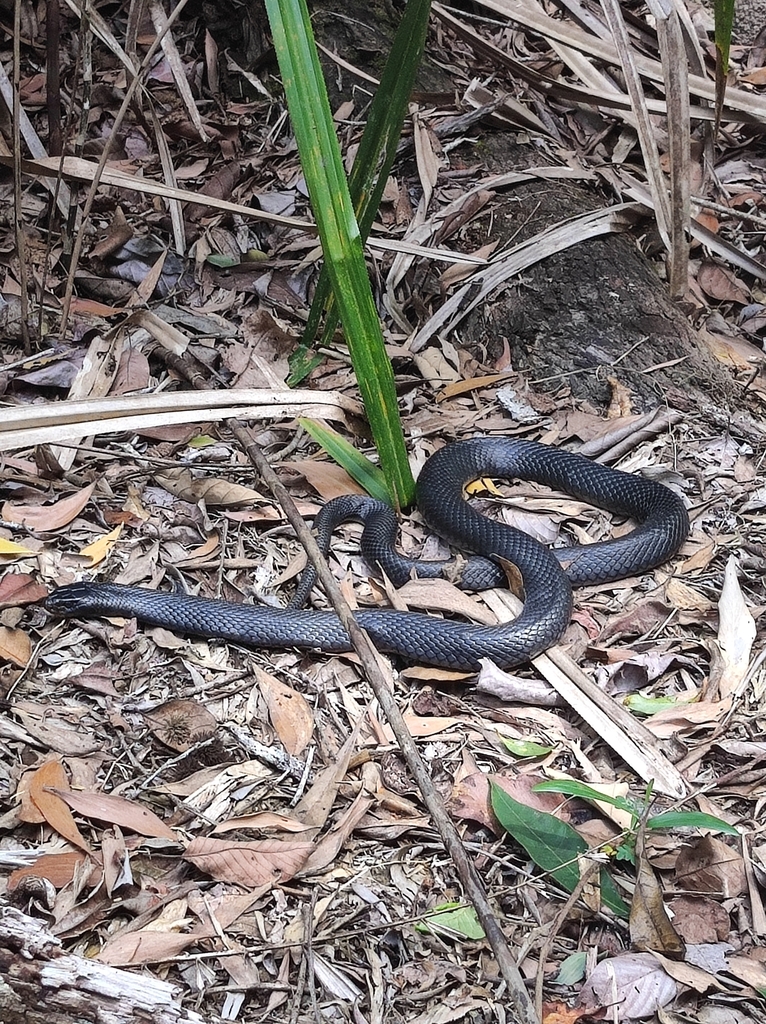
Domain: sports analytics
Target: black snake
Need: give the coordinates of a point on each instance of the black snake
(547, 574)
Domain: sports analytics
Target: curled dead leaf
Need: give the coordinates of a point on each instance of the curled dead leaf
(180, 724)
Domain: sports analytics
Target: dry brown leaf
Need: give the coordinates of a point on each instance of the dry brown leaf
(200, 555)
(424, 725)
(99, 549)
(57, 734)
(693, 976)
(144, 947)
(710, 866)
(289, 712)
(330, 845)
(49, 517)
(262, 820)
(15, 646)
(443, 596)
(749, 970)
(46, 790)
(685, 598)
(755, 77)
(58, 868)
(213, 491)
(720, 283)
(19, 588)
(650, 926)
(97, 679)
(263, 862)
(180, 724)
(461, 271)
(114, 857)
(699, 919)
(701, 558)
(316, 804)
(118, 811)
(327, 478)
(687, 717)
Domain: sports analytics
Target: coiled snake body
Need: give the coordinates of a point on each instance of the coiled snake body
(547, 575)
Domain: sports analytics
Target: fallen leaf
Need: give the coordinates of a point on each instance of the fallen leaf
(650, 926)
(49, 517)
(682, 596)
(749, 970)
(327, 478)
(634, 984)
(9, 548)
(755, 77)
(58, 868)
(180, 724)
(442, 596)
(101, 548)
(736, 633)
(289, 712)
(710, 866)
(15, 646)
(19, 588)
(118, 811)
(215, 492)
(699, 919)
(262, 862)
(114, 856)
(145, 946)
(46, 789)
(720, 283)
(262, 820)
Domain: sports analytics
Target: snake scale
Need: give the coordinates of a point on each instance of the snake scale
(547, 574)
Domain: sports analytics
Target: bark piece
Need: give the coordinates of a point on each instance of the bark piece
(42, 984)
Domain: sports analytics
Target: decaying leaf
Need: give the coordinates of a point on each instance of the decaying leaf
(58, 868)
(213, 491)
(289, 712)
(633, 983)
(49, 517)
(263, 862)
(48, 789)
(180, 724)
(19, 588)
(650, 925)
(711, 866)
(15, 646)
(736, 633)
(118, 811)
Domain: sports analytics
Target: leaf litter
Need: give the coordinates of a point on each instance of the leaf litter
(119, 763)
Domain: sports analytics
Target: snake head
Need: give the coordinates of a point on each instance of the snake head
(67, 600)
